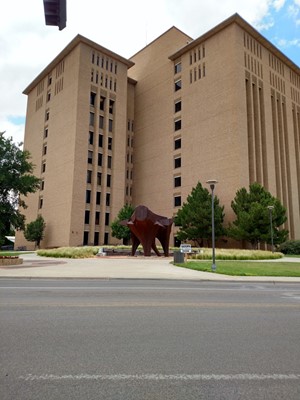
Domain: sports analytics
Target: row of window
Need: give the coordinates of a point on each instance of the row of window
(89, 177)
(252, 45)
(197, 73)
(100, 140)
(253, 65)
(86, 238)
(88, 198)
(87, 217)
(99, 159)
(102, 102)
(105, 81)
(104, 62)
(101, 122)
(197, 54)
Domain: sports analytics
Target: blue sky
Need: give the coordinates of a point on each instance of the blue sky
(27, 45)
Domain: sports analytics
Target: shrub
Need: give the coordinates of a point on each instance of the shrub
(290, 247)
(233, 254)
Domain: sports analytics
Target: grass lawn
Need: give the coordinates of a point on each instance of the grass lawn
(247, 268)
(13, 253)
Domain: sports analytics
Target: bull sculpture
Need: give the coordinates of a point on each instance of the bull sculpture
(145, 227)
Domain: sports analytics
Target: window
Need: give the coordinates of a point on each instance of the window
(99, 159)
(41, 203)
(99, 178)
(108, 180)
(44, 150)
(177, 124)
(85, 238)
(92, 99)
(115, 86)
(47, 115)
(92, 118)
(203, 50)
(177, 162)
(96, 238)
(42, 185)
(177, 68)
(90, 157)
(116, 68)
(106, 219)
(87, 217)
(111, 106)
(98, 198)
(110, 125)
(48, 96)
(97, 218)
(88, 196)
(49, 80)
(45, 133)
(177, 144)
(102, 103)
(177, 201)
(100, 141)
(91, 137)
(43, 167)
(101, 122)
(107, 201)
(106, 237)
(97, 60)
(111, 66)
(203, 70)
(177, 181)
(89, 176)
(109, 143)
(199, 72)
(177, 106)
(109, 158)
(177, 85)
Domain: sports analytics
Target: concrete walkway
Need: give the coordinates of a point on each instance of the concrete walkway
(119, 268)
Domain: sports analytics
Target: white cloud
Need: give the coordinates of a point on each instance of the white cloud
(27, 45)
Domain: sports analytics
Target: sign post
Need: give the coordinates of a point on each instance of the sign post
(185, 248)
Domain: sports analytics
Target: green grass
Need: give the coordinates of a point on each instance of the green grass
(235, 254)
(247, 268)
(13, 253)
(292, 255)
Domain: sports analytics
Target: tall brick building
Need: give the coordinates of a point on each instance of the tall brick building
(104, 130)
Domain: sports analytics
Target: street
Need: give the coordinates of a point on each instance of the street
(149, 339)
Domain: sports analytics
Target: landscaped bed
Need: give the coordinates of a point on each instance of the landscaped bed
(10, 260)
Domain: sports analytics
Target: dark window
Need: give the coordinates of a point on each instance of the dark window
(102, 103)
(41, 203)
(109, 143)
(45, 133)
(42, 185)
(177, 181)
(177, 201)
(85, 238)
(107, 202)
(106, 237)
(177, 144)
(92, 118)
(177, 85)
(101, 122)
(98, 198)
(99, 176)
(110, 125)
(177, 68)
(177, 125)
(90, 157)
(49, 80)
(91, 137)
(109, 161)
(45, 150)
(108, 180)
(44, 167)
(177, 162)
(96, 238)
(47, 115)
(48, 96)
(93, 99)
(97, 218)
(177, 106)
(100, 141)
(106, 219)
(111, 106)
(88, 196)
(99, 159)
(87, 217)
(97, 60)
(89, 176)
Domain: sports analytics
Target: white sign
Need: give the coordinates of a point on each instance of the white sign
(185, 248)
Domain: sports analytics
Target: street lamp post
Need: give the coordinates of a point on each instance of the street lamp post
(270, 208)
(212, 183)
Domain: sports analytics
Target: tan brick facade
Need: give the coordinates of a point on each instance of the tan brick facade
(224, 106)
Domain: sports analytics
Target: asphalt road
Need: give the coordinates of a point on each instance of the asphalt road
(121, 339)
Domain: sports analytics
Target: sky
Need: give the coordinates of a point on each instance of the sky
(27, 45)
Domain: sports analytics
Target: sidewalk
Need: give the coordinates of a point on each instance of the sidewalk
(119, 268)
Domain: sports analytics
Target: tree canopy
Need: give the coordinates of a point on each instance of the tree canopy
(34, 231)
(253, 216)
(120, 231)
(194, 218)
(15, 179)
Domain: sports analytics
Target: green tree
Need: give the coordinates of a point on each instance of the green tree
(121, 231)
(253, 219)
(194, 218)
(15, 179)
(34, 231)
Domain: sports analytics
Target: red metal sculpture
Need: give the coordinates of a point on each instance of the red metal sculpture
(145, 227)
